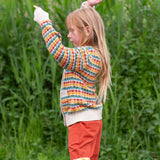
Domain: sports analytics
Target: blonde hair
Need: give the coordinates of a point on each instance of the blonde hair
(83, 18)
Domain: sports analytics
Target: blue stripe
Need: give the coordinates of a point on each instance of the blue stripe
(68, 60)
(45, 25)
(96, 66)
(90, 72)
(81, 97)
(56, 48)
(51, 41)
(78, 97)
(85, 78)
(49, 32)
(74, 67)
(62, 98)
(72, 78)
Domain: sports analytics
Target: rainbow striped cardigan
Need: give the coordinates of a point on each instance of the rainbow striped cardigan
(81, 70)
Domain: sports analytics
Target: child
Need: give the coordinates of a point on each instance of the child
(83, 65)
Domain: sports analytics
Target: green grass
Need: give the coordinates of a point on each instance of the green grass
(31, 124)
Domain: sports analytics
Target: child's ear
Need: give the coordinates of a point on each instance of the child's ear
(87, 30)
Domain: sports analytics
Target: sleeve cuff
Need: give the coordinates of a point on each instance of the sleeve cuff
(47, 21)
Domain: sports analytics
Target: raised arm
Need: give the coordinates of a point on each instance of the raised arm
(69, 58)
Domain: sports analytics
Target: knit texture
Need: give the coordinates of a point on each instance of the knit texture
(82, 159)
(81, 70)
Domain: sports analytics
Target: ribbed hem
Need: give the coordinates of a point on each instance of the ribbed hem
(85, 158)
(86, 115)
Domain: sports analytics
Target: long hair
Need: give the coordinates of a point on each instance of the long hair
(89, 17)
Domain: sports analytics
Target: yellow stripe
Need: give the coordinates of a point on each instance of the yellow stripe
(79, 94)
(52, 44)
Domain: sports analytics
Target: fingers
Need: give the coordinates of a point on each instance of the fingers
(36, 7)
(98, 1)
(93, 2)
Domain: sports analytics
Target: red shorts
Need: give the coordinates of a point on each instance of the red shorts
(84, 140)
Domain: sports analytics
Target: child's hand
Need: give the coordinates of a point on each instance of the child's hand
(93, 2)
(40, 14)
(90, 3)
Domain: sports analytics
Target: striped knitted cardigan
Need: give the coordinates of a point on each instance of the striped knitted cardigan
(81, 69)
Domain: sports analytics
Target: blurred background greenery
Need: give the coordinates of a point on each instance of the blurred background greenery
(31, 125)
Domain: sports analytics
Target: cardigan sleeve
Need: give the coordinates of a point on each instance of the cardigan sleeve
(68, 58)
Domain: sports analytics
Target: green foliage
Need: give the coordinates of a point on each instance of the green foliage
(31, 124)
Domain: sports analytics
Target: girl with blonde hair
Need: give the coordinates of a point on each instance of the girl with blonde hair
(84, 65)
